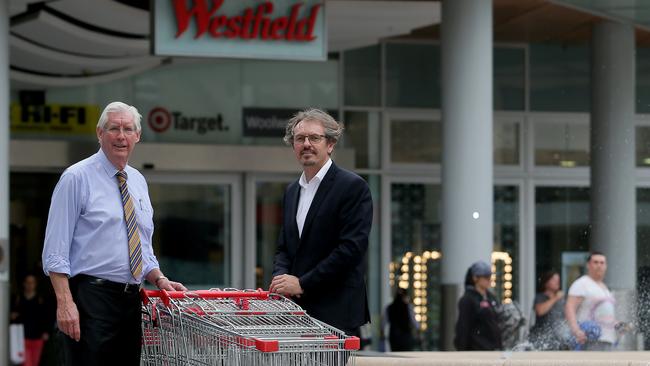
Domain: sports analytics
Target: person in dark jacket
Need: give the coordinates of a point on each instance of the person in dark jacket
(401, 322)
(29, 309)
(477, 327)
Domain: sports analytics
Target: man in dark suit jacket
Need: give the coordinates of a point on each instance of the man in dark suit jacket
(320, 260)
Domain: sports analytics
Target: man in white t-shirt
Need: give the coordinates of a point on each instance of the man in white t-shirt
(590, 303)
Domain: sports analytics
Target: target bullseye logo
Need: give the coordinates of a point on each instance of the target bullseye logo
(159, 119)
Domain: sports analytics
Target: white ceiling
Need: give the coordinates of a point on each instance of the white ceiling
(78, 42)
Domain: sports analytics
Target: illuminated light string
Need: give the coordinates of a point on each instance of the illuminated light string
(411, 272)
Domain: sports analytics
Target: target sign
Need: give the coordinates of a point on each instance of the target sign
(159, 119)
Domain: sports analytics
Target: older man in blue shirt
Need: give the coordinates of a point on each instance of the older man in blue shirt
(98, 247)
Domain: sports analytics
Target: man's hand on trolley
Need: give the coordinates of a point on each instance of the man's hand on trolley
(286, 285)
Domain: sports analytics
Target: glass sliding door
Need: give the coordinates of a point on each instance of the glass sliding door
(562, 231)
(197, 230)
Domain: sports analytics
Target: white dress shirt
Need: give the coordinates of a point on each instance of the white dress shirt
(307, 193)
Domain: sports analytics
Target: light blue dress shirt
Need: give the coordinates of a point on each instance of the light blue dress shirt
(86, 230)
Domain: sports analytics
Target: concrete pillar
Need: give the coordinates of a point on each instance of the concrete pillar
(4, 180)
(467, 163)
(613, 191)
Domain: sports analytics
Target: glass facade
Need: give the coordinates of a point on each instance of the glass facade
(559, 78)
(389, 101)
(362, 73)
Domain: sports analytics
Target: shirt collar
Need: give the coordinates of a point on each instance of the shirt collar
(318, 177)
(109, 168)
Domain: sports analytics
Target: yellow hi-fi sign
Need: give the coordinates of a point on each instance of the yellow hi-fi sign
(54, 119)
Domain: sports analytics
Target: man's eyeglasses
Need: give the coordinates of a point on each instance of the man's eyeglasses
(314, 139)
(128, 131)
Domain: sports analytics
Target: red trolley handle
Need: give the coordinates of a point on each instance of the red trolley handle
(165, 295)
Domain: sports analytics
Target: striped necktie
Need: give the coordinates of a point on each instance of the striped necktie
(135, 248)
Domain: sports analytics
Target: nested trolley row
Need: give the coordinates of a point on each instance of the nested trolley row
(237, 327)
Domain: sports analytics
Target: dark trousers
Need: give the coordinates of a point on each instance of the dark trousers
(110, 323)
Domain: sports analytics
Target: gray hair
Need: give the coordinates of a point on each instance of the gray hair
(120, 107)
(333, 129)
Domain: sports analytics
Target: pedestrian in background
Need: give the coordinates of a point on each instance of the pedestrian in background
(550, 330)
(590, 308)
(399, 318)
(477, 327)
(30, 310)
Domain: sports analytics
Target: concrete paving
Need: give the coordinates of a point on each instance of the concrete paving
(505, 359)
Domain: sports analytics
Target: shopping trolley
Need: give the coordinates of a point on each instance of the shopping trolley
(237, 327)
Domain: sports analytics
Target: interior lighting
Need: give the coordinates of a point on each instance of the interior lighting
(506, 276)
(405, 268)
(417, 259)
(404, 284)
(567, 163)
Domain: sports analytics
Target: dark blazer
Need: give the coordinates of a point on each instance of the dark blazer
(329, 258)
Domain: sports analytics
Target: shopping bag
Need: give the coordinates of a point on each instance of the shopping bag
(17, 343)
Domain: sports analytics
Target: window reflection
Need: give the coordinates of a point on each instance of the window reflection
(506, 142)
(643, 146)
(563, 145)
(268, 212)
(415, 142)
(362, 135)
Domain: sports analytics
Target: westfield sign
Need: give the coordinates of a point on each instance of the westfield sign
(255, 29)
(252, 23)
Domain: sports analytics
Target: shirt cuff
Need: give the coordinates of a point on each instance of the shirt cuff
(57, 264)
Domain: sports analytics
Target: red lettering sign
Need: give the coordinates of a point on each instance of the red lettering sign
(252, 24)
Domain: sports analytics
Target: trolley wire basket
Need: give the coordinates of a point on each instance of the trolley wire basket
(237, 327)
